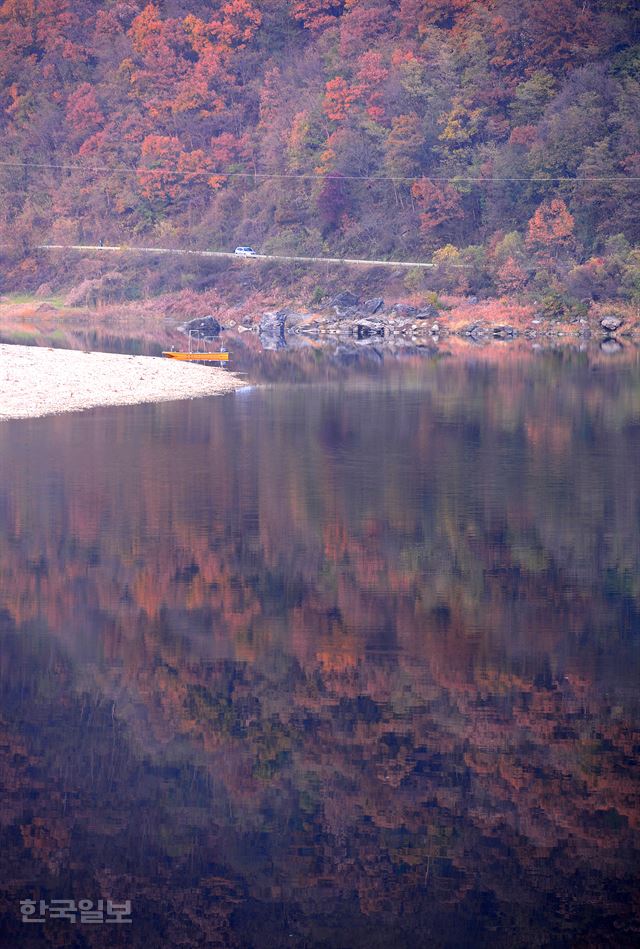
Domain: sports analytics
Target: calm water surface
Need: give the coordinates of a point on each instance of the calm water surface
(337, 665)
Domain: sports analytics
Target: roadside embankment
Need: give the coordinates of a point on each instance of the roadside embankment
(37, 381)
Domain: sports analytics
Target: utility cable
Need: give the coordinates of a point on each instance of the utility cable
(322, 177)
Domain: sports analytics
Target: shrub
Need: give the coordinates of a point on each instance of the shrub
(560, 306)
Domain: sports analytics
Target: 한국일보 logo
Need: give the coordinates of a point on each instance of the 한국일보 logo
(80, 911)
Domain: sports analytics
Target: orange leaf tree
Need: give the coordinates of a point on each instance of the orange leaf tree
(339, 98)
(551, 228)
(440, 204)
(316, 14)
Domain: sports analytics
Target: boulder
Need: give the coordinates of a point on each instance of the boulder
(344, 299)
(403, 309)
(293, 317)
(504, 332)
(402, 324)
(611, 323)
(273, 323)
(203, 327)
(372, 306)
(348, 313)
(476, 331)
(428, 312)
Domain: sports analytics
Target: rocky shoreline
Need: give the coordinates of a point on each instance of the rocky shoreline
(370, 321)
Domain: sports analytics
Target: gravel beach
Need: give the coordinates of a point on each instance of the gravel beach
(37, 381)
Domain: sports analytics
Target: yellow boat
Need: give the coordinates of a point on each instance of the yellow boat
(197, 351)
(199, 357)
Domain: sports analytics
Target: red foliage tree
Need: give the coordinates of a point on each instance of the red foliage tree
(439, 204)
(161, 67)
(316, 14)
(339, 98)
(168, 173)
(441, 13)
(361, 25)
(84, 115)
(551, 227)
(239, 22)
(510, 277)
(559, 33)
(371, 74)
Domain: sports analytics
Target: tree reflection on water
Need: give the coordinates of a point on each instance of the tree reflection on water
(328, 666)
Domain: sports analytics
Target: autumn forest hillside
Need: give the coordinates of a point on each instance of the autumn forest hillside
(499, 134)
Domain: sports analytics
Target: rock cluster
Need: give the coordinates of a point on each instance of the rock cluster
(611, 323)
(203, 327)
(345, 299)
(358, 321)
(368, 323)
(276, 325)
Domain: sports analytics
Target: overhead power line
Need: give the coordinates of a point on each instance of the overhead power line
(460, 179)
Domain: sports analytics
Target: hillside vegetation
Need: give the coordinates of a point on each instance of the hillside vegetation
(496, 134)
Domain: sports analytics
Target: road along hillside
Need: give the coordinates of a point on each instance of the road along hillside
(126, 249)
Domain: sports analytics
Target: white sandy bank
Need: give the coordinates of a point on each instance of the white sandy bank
(37, 381)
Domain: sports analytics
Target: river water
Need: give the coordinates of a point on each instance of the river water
(343, 664)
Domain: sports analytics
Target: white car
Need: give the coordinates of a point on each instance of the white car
(245, 252)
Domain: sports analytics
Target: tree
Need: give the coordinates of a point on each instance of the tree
(239, 22)
(333, 201)
(439, 204)
(551, 228)
(83, 112)
(168, 174)
(444, 14)
(316, 14)
(460, 125)
(304, 138)
(361, 26)
(339, 98)
(510, 277)
(160, 67)
(531, 98)
(608, 199)
(560, 34)
(404, 145)
(371, 75)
